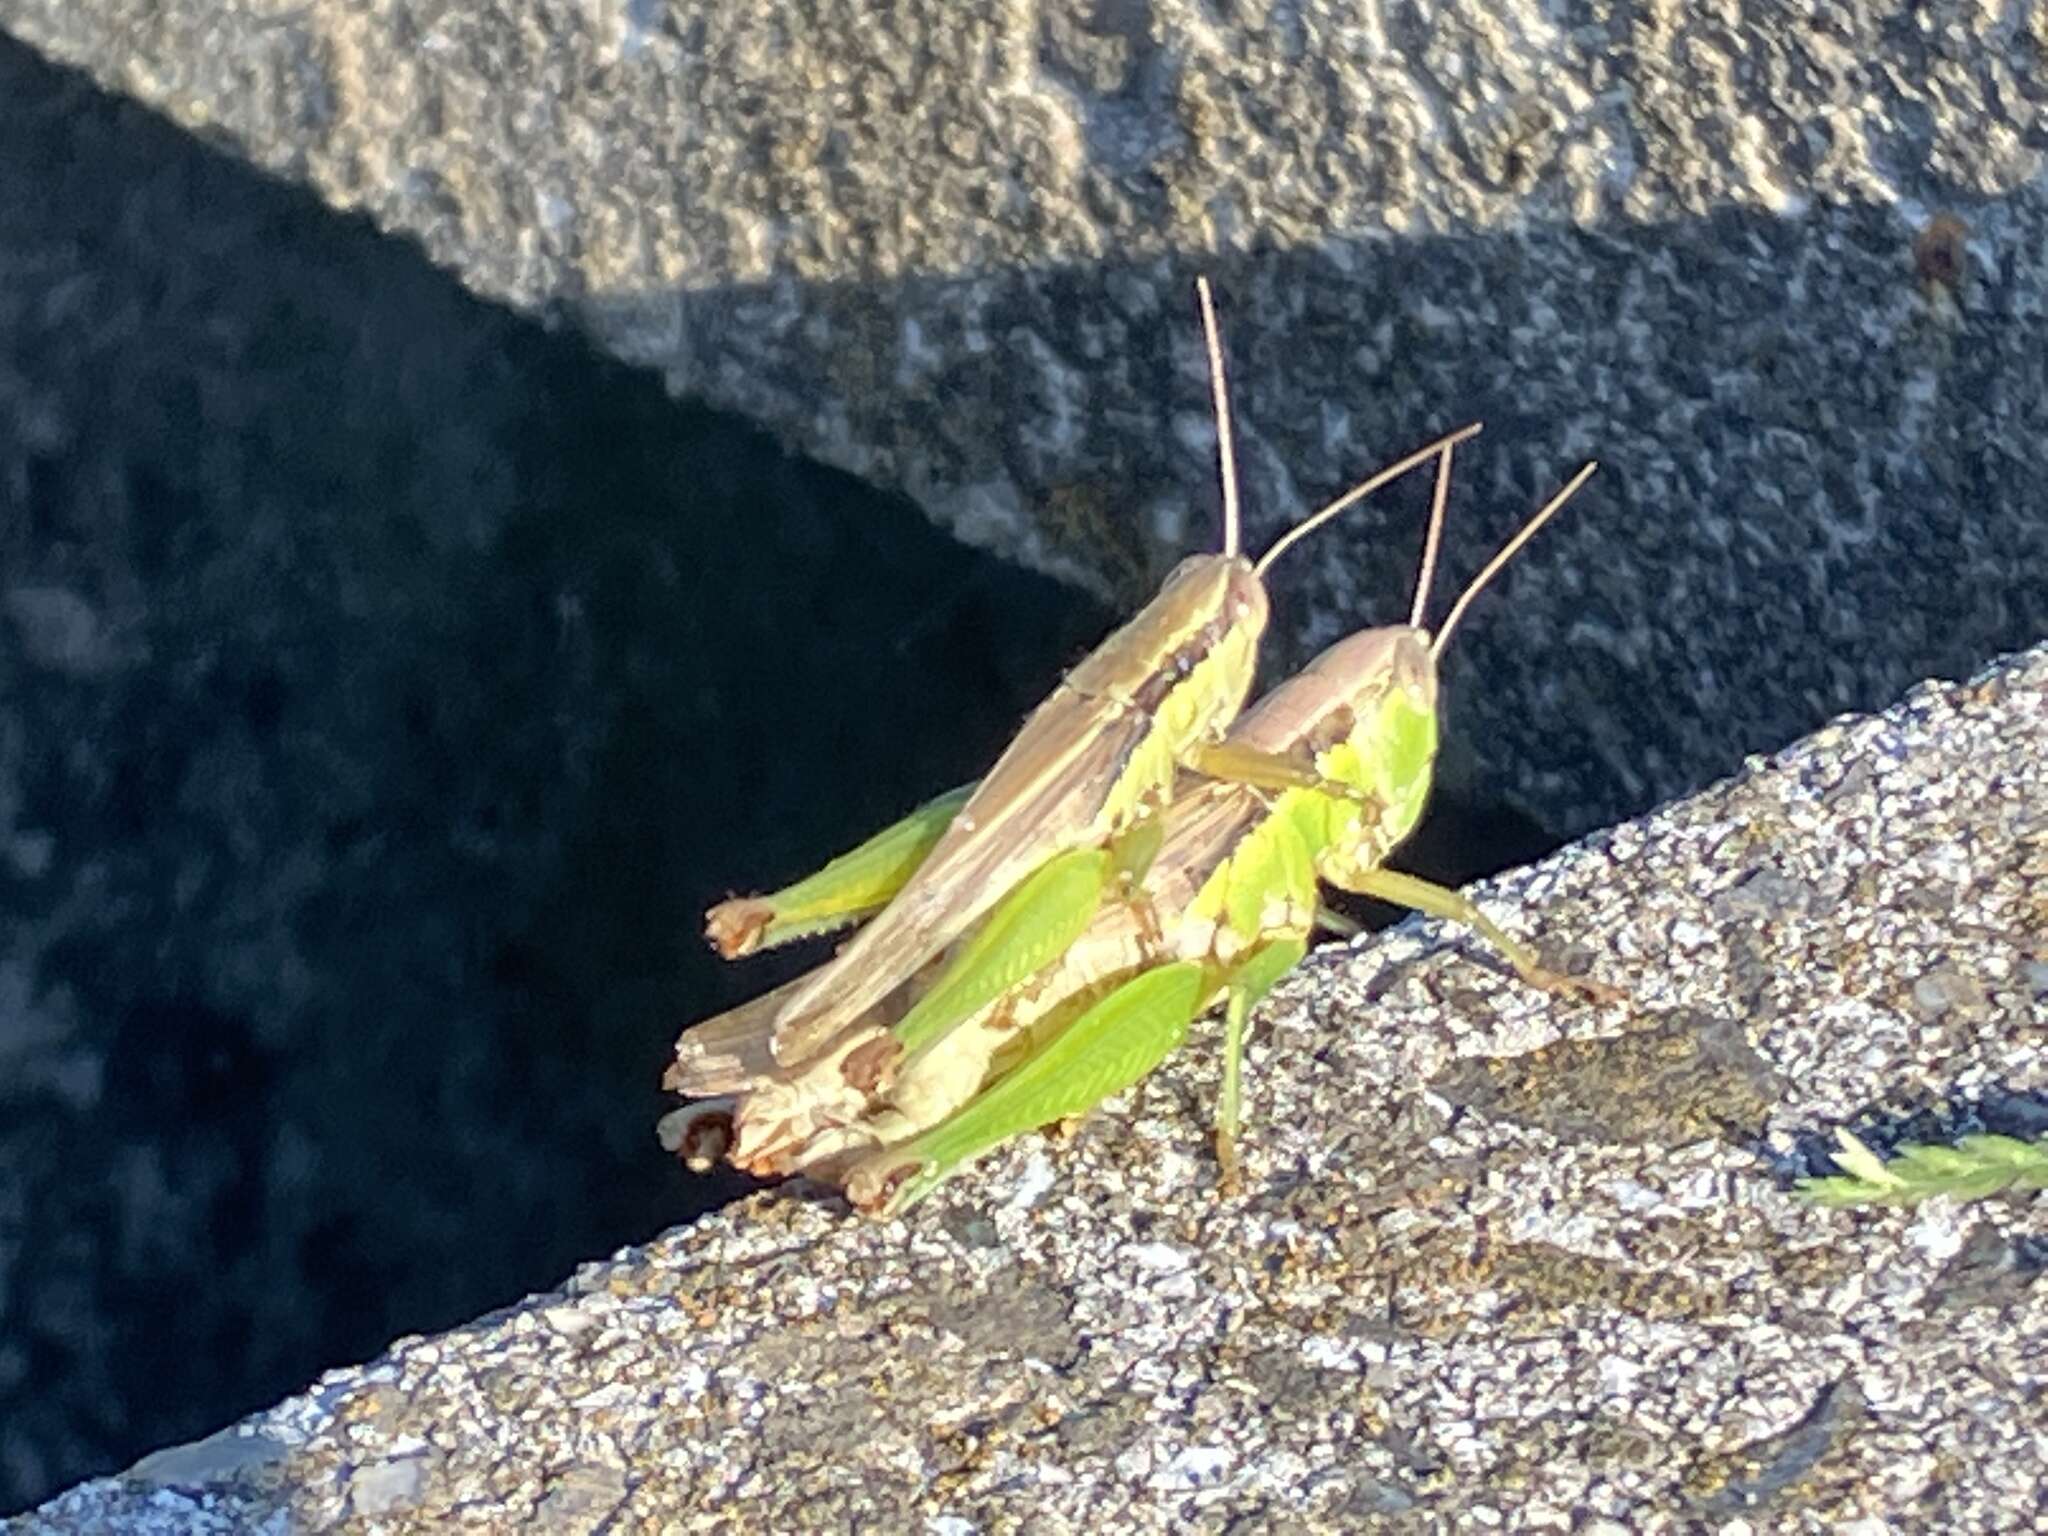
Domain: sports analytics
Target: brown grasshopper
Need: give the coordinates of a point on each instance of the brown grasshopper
(1081, 787)
(893, 1105)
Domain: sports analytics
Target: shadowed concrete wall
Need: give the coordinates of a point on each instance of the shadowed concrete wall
(949, 247)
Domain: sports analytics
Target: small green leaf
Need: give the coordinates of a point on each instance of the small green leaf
(1974, 1167)
(1858, 1160)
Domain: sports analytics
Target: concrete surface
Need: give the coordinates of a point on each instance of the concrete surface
(1502, 1264)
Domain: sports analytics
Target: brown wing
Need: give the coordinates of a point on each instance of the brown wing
(725, 1053)
(1045, 795)
(1208, 820)
(731, 1053)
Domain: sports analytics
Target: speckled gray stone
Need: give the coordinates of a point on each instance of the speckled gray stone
(1463, 1308)
(949, 247)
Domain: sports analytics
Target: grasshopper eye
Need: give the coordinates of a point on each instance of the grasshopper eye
(1415, 669)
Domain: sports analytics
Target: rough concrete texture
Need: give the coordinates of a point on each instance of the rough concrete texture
(1503, 1263)
(385, 688)
(948, 246)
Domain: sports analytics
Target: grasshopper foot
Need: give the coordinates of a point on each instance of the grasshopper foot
(1598, 993)
(734, 927)
(1229, 1179)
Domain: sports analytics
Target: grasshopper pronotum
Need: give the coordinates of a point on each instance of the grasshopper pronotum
(1225, 908)
(1084, 781)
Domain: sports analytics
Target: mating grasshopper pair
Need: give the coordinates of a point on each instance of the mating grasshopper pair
(1045, 938)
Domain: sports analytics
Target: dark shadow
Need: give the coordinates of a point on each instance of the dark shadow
(404, 681)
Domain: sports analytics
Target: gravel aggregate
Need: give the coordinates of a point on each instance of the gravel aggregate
(1503, 1263)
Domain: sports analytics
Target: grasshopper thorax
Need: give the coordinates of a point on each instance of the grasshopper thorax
(1228, 584)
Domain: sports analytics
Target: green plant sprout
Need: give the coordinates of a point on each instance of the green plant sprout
(1974, 1167)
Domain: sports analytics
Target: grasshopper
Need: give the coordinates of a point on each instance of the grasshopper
(1082, 784)
(1228, 905)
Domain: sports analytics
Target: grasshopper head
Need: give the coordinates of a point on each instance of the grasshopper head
(1211, 589)
(1343, 691)
(1207, 619)
(1364, 712)
(1375, 663)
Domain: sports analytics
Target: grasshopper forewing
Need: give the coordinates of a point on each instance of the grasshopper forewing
(1226, 907)
(1094, 763)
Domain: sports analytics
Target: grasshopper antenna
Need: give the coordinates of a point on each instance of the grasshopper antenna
(1507, 552)
(1219, 390)
(1431, 537)
(1360, 491)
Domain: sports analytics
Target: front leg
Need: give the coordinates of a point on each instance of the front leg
(1250, 982)
(1235, 763)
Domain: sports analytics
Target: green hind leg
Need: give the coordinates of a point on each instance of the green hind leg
(1030, 928)
(1107, 1048)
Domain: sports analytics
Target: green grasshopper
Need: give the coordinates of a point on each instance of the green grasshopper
(1082, 784)
(1227, 906)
